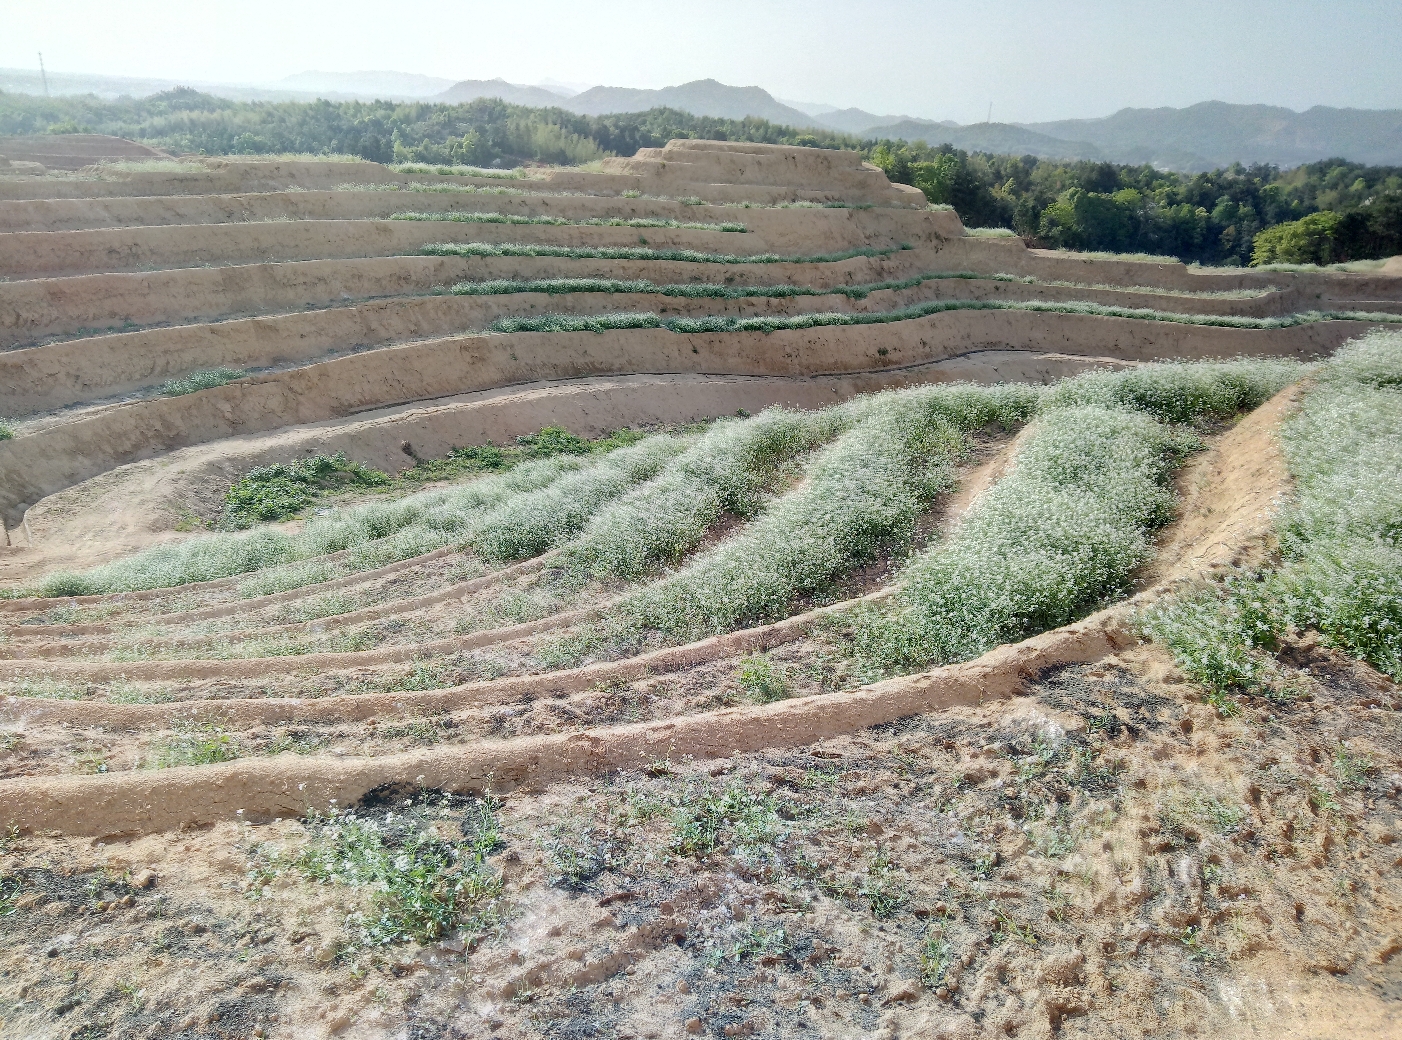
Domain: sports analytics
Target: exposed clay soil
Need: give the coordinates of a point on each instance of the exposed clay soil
(1100, 856)
(1060, 838)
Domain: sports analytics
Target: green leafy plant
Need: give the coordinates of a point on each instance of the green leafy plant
(759, 679)
(202, 746)
(271, 493)
(419, 885)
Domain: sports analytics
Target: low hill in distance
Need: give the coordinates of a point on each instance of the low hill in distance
(998, 138)
(1215, 133)
(512, 93)
(702, 97)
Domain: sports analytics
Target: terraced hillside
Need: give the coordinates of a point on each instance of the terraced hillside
(711, 594)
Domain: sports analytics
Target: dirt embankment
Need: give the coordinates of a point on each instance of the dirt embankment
(34, 309)
(784, 229)
(51, 254)
(57, 375)
(138, 504)
(35, 466)
(1012, 256)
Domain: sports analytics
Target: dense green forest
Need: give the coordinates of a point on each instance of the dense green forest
(1324, 212)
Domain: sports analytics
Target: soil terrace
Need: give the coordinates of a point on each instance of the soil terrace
(433, 673)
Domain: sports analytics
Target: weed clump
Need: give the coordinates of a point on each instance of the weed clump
(420, 885)
(732, 819)
(206, 379)
(270, 493)
(760, 680)
(195, 747)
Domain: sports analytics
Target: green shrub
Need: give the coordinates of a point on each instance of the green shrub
(271, 493)
(1309, 240)
(196, 381)
(7, 431)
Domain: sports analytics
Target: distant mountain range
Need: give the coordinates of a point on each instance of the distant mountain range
(1200, 137)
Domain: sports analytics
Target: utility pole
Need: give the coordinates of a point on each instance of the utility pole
(43, 75)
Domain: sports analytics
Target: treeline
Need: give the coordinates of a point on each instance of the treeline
(485, 132)
(1324, 212)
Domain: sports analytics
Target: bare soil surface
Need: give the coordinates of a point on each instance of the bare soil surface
(427, 798)
(1100, 856)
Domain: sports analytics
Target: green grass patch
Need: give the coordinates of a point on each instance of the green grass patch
(280, 491)
(635, 253)
(206, 379)
(628, 222)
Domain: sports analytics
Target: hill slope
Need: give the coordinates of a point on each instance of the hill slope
(1002, 138)
(1215, 133)
(702, 97)
(512, 93)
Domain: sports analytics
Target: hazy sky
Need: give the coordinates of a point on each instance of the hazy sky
(942, 60)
